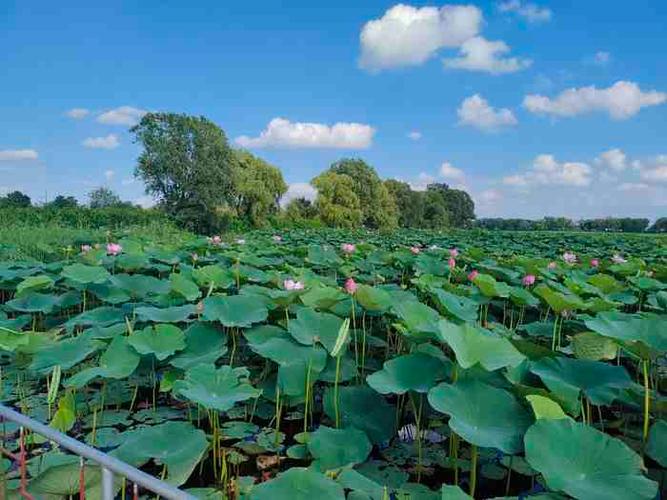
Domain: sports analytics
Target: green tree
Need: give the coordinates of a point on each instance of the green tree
(409, 203)
(436, 215)
(458, 204)
(188, 165)
(15, 199)
(299, 210)
(337, 204)
(659, 226)
(103, 197)
(259, 187)
(377, 205)
(61, 201)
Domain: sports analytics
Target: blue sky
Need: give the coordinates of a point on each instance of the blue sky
(537, 108)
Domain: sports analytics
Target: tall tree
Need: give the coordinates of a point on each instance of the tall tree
(259, 187)
(61, 201)
(337, 204)
(409, 203)
(103, 197)
(377, 205)
(188, 165)
(15, 199)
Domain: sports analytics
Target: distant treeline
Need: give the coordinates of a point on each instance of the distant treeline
(117, 217)
(607, 224)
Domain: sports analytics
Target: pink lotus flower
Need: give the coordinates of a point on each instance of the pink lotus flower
(453, 252)
(528, 280)
(473, 274)
(277, 238)
(595, 262)
(569, 257)
(451, 263)
(114, 248)
(415, 250)
(216, 240)
(350, 286)
(292, 285)
(617, 259)
(86, 248)
(552, 265)
(348, 248)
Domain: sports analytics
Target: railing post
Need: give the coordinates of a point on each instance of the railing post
(107, 484)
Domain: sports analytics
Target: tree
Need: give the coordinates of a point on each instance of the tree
(188, 165)
(103, 197)
(15, 199)
(436, 215)
(61, 201)
(409, 203)
(300, 210)
(259, 187)
(377, 205)
(458, 204)
(337, 204)
(659, 226)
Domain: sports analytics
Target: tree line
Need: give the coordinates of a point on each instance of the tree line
(607, 224)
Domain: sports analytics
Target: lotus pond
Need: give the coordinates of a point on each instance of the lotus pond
(334, 365)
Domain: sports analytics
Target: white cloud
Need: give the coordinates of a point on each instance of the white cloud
(77, 113)
(633, 186)
(489, 197)
(18, 154)
(281, 133)
(602, 58)
(123, 115)
(622, 100)
(655, 174)
(298, 190)
(408, 36)
(415, 135)
(109, 175)
(529, 11)
(479, 54)
(108, 142)
(145, 201)
(614, 159)
(545, 170)
(128, 181)
(422, 182)
(449, 171)
(476, 112)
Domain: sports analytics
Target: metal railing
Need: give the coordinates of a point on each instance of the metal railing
(108, 464)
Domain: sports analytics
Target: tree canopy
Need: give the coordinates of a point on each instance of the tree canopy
(15, 199)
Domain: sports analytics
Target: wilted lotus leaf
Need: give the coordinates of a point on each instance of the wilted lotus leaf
(586, 463)
(118, 361)
(311, 327)
(482, 414)
(473, 345)
(204, 344)
(234, 311)
(335, 448)
(566, 376)
(298, 483)
(66, 353)
(178, 445)
(85, 275)
(216, 389)
(161, 340)
(173, 314)
(361, 407)
(646, 328)
(410, 372)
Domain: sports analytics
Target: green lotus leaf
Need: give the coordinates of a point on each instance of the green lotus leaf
(162, 340)
(559, 301)
(481, 414)
(178, 445)
(10, 339)
(335, 448)
(109, 293)
(298, 484)
(34, 302)
(473, 345)
(522, 297)
(173, 314)
(449, 492)
(419, 319)
(591, 345)
(545, 407)
(204, 345)
(234, 311)
(85, 275)
(373, 298)
(352, 480)
(100, 316)
(605, 283)
(322, 297)
(429, 264)
(456, 306)
(140, 286)
(216, 389)
(66, 353)
(34, 283)
(361, 407)
(646, 328)
(312, 327)
(118, 362)
(185, 287)
(586, 463)
(656, 447)
(213, 277)
(323, 255)
(489, 287)
(566, 376)
(410, 372)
